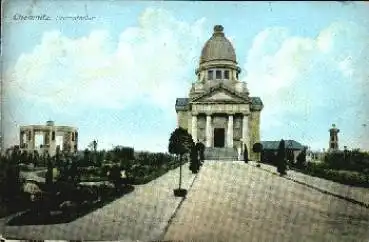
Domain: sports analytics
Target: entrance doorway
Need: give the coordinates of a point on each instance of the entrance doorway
(219, 135)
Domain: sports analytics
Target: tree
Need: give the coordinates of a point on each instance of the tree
(86, 157)
(301, 158)
(281, 158)
(201, 151)
(194, 163)
(49, 172)
(246, 154)
(115, 177)
(94, 148)
(180, 143)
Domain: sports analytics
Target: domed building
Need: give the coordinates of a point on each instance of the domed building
(219, 111)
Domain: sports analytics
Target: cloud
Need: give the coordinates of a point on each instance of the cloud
(149, 60)
(148, 63)
(308, 83)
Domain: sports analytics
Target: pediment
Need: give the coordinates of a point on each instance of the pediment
(220, 95)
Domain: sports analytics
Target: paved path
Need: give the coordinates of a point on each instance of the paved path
(140, 215)
(234, 201)
(356, 193)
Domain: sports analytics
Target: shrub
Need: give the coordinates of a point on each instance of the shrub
(194, 163)
(10, 181)
(347, 160)
(268, 156)
(245, 154)
(121, 154)
(281, 158)
(301, 159)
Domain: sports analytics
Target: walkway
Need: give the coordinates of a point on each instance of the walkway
(355, 193)
(140, 215)
(234, 201)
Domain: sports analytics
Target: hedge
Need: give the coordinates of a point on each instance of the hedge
(347, 177)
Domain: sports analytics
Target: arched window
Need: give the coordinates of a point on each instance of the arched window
(53, 136)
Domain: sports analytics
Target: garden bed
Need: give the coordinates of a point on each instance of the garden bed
(46, 212)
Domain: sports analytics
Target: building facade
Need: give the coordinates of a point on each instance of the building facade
(272, 147)
(49, 132)
(218, 110)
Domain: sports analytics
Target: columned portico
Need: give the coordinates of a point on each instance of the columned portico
(230, 132)
(48, 132)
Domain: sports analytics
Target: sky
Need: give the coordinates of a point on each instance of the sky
(116, 74)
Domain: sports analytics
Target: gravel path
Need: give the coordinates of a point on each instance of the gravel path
(140, 215)
(234, 201)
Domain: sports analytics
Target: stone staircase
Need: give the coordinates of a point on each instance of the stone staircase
(212, 153)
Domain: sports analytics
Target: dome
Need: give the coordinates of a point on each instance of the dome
(218, 47)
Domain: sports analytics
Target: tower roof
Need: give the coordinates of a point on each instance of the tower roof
(218, 47)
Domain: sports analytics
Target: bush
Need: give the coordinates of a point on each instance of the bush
(281, 158)
(149, 166)
(347, 160)
(268, 156)
(301, 159)
(10, 181)
(347, 177)
(121, 154)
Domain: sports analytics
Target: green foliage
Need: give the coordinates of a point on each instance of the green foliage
(281, 158)
(257, 148)
(149, 166)
(290, 156)
(269, 156)
(115, 176)
(347, 177)
(120, 154)
(180, 142)
(347, 160)
(301, 158)
(194, 160)
(10, 181)
(49, 173)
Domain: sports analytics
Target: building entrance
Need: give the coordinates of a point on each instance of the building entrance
(219, 137)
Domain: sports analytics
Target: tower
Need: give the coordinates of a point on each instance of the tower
(333, 140)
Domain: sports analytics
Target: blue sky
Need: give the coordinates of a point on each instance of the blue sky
(116, 77)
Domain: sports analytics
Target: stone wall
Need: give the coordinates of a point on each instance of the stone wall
(183, 117)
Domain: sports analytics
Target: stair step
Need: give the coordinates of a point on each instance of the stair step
(212, 153)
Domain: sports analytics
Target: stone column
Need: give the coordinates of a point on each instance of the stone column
(230, 131)
(194, 128)
(208, 131)
(245, 133)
